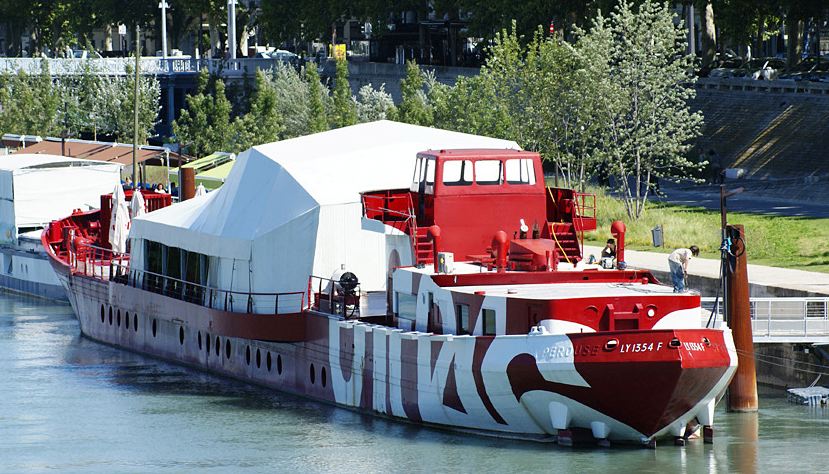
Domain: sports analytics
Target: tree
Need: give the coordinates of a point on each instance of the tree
(414, 107)
(292, 100)
(374, 104)
(204, 126)
(344, 108)
(29, 104)
(317, 99)
(262, 124)
(650, 124)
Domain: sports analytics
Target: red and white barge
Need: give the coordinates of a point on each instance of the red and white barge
(460, 301)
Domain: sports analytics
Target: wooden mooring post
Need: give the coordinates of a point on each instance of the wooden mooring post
(742, 393)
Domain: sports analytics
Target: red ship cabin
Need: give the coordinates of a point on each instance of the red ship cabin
(472, 194)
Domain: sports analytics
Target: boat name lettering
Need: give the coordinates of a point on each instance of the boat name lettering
(557, 352)
(694, 346)
(640, 347)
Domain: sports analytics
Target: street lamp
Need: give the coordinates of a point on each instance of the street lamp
(163, 5)
(231, 27)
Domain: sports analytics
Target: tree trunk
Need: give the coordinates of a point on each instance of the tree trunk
(794, 48)
(108, 38)
(709, 35)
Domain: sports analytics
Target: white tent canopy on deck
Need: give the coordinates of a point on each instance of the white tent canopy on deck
(293, 208)
(36, 189)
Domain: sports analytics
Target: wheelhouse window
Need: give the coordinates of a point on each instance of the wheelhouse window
(488, 172)
(424, 175)
(462, 315)
(457, 173)
(520, 171)
(489, 322)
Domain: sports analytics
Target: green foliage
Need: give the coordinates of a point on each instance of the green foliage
(317, 99)
(650, 123)
(374, 104)
(414, 107)
(292, 100)
(204, 126)
(29, 104)
(344, 108)
(263, 123)
(772, 240)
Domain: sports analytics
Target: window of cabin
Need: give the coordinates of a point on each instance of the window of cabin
(489, 322)
(520, 171)
(488, 172)
(174, 263)
(462, 315)
(406, 310)
(153, 263)
(457, 173)
(424, 173)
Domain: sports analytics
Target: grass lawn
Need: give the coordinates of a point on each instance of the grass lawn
(792, 242)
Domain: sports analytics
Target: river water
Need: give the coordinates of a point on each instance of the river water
(69, 404)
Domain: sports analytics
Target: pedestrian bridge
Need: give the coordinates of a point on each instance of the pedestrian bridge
(783, 320)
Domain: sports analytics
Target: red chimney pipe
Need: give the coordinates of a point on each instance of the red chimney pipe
(499, 245)
(617, 230)
(434, 233)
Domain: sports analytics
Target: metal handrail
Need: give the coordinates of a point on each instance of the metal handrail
(332, 296)
(785, 316)
(204, 295)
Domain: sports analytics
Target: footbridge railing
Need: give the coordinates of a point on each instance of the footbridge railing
(783, 319)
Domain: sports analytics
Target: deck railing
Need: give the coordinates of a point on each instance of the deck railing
(783, 317)
(103, 263)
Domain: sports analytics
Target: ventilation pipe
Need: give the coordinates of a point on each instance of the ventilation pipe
(617, 230)
(434, 234)
(499, 246)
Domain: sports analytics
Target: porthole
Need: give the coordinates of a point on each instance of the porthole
(218, 345)
(127, 321)
(102, 313)
(227, 349)
(279, 364)
(118, 318)
(110, 315)
(181, 335)
(200, 340)
(247, 355)
(155, 327)
(258, 359)
(313, 375)
(207, 341)
(323, 377)
(135, 322)
(268, 361)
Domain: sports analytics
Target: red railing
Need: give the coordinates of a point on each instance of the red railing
(393, 208)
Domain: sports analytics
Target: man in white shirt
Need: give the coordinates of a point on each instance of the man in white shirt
(678, 262)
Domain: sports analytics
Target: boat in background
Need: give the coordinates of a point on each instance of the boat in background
(456, 296)
(34, 190)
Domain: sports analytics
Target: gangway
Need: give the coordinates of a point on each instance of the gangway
(783, 320)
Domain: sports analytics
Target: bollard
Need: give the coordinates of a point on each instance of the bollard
(742, 392)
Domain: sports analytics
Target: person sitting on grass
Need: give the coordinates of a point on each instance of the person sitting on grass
(678, 262)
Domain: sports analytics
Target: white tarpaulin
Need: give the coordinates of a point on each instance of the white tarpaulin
(119, 221)
(37, 189)
(137, 206)
(293, 208)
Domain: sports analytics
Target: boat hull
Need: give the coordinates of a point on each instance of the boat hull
(528, 386)
(28, 271)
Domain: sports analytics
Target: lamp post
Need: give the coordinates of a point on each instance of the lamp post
(163, 5)
(231, 28)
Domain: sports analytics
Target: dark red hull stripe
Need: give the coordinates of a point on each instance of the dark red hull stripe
(481, 346)
(408, 379)
(451, 398)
